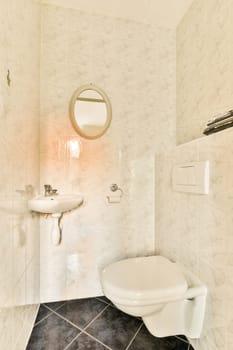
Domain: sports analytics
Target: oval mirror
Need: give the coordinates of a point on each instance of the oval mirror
(90, 111)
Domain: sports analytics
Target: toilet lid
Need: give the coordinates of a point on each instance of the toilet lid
(143, 278)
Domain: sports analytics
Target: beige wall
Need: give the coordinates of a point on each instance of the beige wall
(19, 163)
(204, 66)
(196, 229)
(135, 64)
(165, 13)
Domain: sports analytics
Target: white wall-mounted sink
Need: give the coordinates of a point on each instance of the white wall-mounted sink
(55, 204)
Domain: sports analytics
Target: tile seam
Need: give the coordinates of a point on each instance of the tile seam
(54, 309)
(44, 318)
(65, 319)
(67, 346)
(103, 301)
(131, 341)
(96, 339)
(73, 324)
(185, 341)
(95, 318)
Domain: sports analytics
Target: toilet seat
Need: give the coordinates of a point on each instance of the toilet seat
(134, 279)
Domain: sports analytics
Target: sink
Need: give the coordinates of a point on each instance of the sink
(55, 204)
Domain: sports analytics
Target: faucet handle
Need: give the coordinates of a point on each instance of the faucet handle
(47, 187)
(47, 190)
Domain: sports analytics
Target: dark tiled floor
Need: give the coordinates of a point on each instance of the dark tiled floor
(94, 324)
(43, 312)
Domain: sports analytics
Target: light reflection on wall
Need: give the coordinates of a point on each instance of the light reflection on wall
(74, 148)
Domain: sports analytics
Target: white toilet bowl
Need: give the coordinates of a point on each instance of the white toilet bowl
(170, 299)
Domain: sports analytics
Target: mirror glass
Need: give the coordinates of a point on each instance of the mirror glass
(90, 112)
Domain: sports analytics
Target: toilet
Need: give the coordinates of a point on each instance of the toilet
(169, 299)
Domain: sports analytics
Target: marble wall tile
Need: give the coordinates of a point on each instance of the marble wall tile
(135, 64)
(19, 161)
(6, 328)
(204, 65)
(196, 230)
(24, 318)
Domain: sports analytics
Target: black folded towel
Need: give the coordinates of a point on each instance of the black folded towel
(220, 117)
(211, 130)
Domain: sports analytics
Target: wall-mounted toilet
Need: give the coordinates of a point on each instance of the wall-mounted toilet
(170, 299)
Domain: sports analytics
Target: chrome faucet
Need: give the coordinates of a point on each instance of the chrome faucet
(49, 191)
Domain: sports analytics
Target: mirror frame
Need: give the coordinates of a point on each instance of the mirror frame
(72, 110)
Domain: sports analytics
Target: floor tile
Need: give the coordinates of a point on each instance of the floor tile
(52, 333)
(104, 299)
(114, 328)
(82, 311)
(43, 312)
(145, 341)
(182, 337)
(84, 342)
(55, 305)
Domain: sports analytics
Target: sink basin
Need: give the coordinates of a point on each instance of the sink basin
(55, 204)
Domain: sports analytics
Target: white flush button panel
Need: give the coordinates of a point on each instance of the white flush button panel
(192, 177)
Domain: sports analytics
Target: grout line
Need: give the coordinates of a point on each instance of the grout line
(134, 336)
(185, 341)
(51, 311)
(97, 340)
(54, 309)
(60, 306)
(83, 331)
(67, 346)
(108, 303)
(100, 313)
(114, 307)
(74, 325)
(103, 301)
(65, 319)
(44, 318)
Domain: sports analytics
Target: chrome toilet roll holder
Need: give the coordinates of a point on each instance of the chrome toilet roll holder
(117, 197)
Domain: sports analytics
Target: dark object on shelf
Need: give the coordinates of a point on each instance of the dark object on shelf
(216, 128)
(220, 117)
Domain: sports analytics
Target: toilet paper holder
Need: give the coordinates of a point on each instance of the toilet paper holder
(116, 198)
